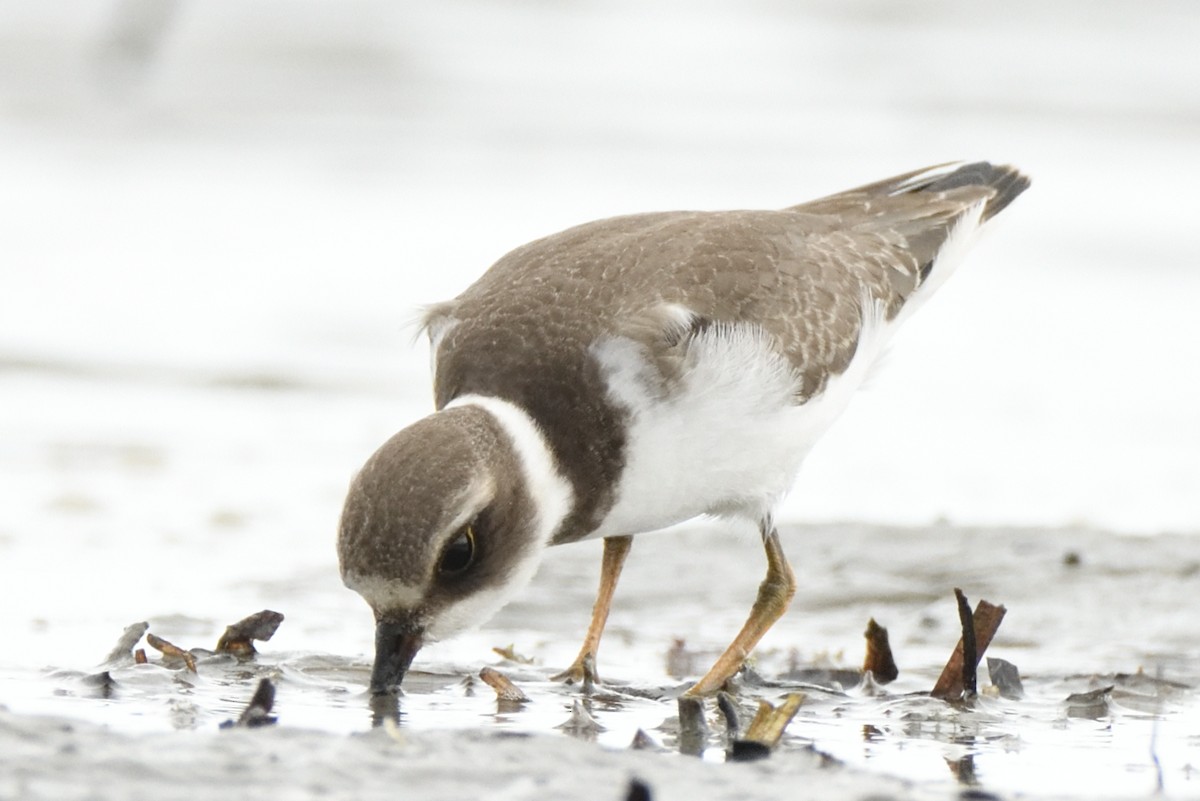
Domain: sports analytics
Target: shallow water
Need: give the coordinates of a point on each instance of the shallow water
(1069, 628)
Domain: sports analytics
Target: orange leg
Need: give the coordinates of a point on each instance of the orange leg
(615, 551)
(774, 595)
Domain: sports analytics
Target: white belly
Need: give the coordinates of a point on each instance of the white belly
(731, 441)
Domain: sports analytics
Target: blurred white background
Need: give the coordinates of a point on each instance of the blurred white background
(219, 218)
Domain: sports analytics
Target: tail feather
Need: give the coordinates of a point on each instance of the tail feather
(1005, 181)
(924, 206)
(944, 190)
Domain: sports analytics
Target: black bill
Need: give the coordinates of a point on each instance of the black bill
(396, 643)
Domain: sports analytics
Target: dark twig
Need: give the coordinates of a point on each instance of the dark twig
(258, 711)
(729, 711)
(986, 619)
(970, 660)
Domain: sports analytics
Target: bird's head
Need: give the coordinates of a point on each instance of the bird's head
(442, 526)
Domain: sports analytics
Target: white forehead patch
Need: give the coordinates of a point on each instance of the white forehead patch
(383, 594)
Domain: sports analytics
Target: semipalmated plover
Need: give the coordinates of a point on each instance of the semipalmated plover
(632, 373)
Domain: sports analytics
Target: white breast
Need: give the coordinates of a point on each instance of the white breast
(731, 439)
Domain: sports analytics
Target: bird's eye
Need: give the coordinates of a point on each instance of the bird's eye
(459, 554)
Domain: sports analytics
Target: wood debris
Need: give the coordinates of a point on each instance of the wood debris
(505, 690)
(171, 652)
(970, 657)
(693, 729)
(768, 725)
(765, 730)
(123, 650)
(980, 627)
(258, 712)
(729, 712)
(511, 655)
(239, 638)
(878, 660)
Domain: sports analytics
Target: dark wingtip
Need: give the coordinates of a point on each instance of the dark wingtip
(1008, 183)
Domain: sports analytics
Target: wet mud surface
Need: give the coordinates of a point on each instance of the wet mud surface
(1098, 627)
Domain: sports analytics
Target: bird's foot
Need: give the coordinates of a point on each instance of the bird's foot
(719, 674)
(582, 671)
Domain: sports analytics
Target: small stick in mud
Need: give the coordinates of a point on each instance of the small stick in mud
(171, 652)
(984, 622)
(129, 638)
(768, 725)
(970, 658)
(258, 711)
(879, 661)
(693, 730)
(238, 638)
(505, 690)
(765, 731)
(729, 711)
